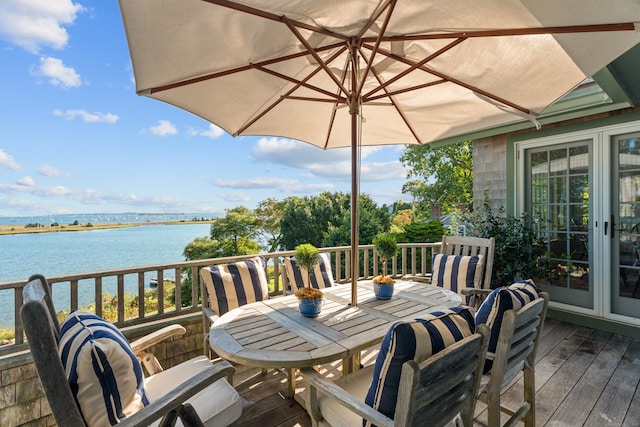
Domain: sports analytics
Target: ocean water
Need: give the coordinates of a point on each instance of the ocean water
(22, 255)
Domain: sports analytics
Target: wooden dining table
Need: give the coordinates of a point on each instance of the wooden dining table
(273, 333)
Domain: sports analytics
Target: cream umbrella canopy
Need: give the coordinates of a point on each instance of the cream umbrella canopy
(346, 73)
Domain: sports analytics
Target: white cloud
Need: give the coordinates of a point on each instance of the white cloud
(213, 132)
(255, 183)
(334, 164)
(32, 24)
(26, 181)
(59, 75)
(86, 116)
(47, 170)
(38, 191)
(6, 161)
(165, 127)
(236, 196)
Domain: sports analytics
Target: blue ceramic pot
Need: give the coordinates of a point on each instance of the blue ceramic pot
(310, 307)
(383, 290)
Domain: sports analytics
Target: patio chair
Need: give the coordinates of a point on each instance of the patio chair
(321, 278)
(463, 263)
(410, 382)
(515, 316)
(85, 390)
(228, 286)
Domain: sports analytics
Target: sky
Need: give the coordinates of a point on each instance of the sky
(75, 137)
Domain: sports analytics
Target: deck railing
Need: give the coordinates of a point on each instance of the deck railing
(413, 259)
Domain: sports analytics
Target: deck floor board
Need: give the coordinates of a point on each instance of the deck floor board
(584, 377)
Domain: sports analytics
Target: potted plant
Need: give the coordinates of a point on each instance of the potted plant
(387, 248)
(310, 299)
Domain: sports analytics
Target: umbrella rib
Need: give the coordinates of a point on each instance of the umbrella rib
(334, 111)
(274, 17)
(293, 89)
(298, 82)
(395, 105)
(568, 29)
(374, 17)
(390, 6)
(454, 81)
(414, 66)
(236, 70)
(313, 53)
(400, 91)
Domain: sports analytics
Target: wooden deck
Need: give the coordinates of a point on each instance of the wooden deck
(584, 377)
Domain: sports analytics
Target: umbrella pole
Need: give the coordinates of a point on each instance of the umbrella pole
(355, 258)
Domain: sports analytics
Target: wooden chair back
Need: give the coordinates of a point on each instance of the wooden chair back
(42, 329)
(470, 246)
(443, 386)
(515, 353)
(433, 392)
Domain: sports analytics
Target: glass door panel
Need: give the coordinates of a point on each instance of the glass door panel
(625, 224)
(557, 197)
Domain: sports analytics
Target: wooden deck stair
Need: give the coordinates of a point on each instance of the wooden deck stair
(584, 377)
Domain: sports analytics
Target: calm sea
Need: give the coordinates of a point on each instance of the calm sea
(84, 251)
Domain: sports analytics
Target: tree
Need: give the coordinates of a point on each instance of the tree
(268, 216)
(443, 176)
(235, 232)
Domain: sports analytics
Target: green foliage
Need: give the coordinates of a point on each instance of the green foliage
(307, 256)
(325, 220)
(517, 247)
(442, 175)
(268, 216)
(235, 232)
(423, 231)
(386, 246)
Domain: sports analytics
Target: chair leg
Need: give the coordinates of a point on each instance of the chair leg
(530, 395)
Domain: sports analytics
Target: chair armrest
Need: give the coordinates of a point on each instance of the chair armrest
(210, 314)
(417, 278)
(476, 296)
(475, 291)
(317, 382)
(140, 345)
(175, 399)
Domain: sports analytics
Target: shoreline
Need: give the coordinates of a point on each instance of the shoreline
(21, 229)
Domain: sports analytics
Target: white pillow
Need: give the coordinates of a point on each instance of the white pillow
(105, 376)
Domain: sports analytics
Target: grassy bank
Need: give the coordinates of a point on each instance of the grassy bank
(22, 229)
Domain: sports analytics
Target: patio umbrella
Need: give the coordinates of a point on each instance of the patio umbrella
(346, 73)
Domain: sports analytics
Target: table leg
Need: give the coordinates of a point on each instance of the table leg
(351, 364)
(291, 382)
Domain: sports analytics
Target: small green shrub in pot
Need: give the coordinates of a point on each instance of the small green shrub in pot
(387, 248)
(307, 256)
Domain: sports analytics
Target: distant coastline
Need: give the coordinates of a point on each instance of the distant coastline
(22, 229)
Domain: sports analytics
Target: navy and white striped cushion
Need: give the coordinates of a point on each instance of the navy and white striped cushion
(105, 376)
(322, 276)
(497, 303)
(455, 272)
(414, 340)
(238, 283)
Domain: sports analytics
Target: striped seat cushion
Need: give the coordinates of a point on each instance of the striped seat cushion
(105, 376)
(414, 340)
(322, 276)
(497, 303)
(238, 283)
(455, 272)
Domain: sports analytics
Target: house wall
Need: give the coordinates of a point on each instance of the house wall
(22, 400)
(490, 171)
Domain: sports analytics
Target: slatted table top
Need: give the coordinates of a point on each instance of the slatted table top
(273, 333)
